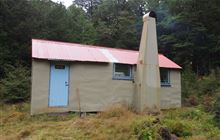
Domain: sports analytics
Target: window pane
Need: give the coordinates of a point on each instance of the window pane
(59, 66)
(122, 71)
(164, 76)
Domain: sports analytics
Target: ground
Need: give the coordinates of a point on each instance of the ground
(118, 123)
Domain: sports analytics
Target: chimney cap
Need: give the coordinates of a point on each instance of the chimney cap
(149, 14)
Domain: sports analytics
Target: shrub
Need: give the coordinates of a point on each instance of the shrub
(179, 128)
(208, 85)
(207, 102)
(216, 110)
(192, 100)
(189, 80)
(15, 87)
(165, 133)
(195, 87)
(192, 114)
(144, 128)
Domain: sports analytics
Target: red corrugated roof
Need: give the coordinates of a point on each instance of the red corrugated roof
(53, 50)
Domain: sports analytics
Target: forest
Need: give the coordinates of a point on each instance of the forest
(188, 33)
(188, 30)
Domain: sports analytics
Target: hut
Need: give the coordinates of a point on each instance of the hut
(76, 77)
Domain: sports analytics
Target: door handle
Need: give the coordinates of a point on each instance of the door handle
(66, 83)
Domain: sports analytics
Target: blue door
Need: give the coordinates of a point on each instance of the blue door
(59, 82)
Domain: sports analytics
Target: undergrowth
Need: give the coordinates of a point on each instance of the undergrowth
(118, 123)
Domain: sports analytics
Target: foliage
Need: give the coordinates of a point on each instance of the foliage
(191, 122)
(144, 128)
(184, 35)
(15, 87)
(18, 124)
(115, 25)
(200, 89)
(22, 20)
(179, 128)
(80, 23)
(189, 79)
(216, 110)
(203, 91)
(209, 84)
(188, 33)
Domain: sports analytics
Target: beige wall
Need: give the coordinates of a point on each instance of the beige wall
(94, 82)
(171, 96)
(97, 89)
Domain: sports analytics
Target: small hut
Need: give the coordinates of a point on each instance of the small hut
(77, 77)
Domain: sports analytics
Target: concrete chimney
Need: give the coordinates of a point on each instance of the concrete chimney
(148, 76)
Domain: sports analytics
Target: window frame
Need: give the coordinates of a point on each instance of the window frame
(168, 83)
(130, 77)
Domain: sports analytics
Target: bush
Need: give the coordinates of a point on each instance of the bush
(144, 128)
(165, 133)
(208, 84)
(192, 100)
(15, 87)
(207, 102)
(192, 114)
(195, 88)
(189, 80)
(179, 128)
(216, 110)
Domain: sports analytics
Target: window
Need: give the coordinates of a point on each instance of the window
(59, 66)
(165, 77)
(122, 72)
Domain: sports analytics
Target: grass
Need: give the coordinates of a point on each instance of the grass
(118, 123)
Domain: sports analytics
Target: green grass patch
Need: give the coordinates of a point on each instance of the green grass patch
(116, 123)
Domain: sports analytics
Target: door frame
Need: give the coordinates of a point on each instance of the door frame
(68, 95)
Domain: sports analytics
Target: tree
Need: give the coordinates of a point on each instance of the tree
(15, 33)
(187, 30)
(186, 34)
(15, 87)
(115, 25)
(50, 20)
(88, 5)
(80, 28)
